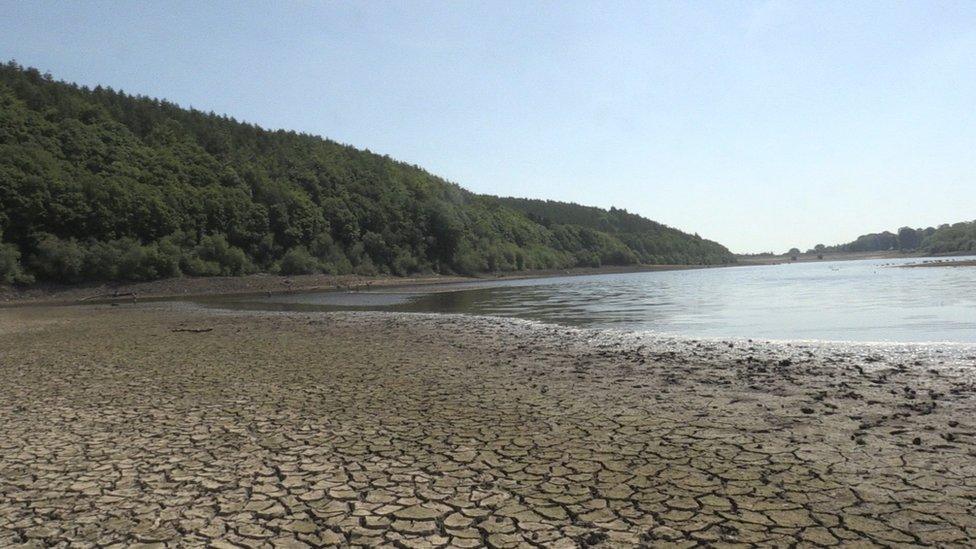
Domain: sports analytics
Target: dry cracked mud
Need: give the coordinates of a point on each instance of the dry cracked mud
(169, 425)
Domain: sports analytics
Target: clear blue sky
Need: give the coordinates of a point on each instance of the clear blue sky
(762, 125)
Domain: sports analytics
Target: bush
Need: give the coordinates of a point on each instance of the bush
(123, 259)
(166, 258)
(378, 249)
(266, 251)
(150, 262)
(11, 271)
(468, 261)
(331, 258)
(587, 258)
(102, 260)
(214, 256)
(134, 262)
(366, 268)
(404, 263)
(58, 260)
(298, 261)
(195, 266)
(340, 266)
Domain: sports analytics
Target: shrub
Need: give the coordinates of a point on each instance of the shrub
(122, 259)
(377, 248)
(11, 271)
(134, 262)
(404, 263)
(149, 262)
(359, 259)
(101, 261)
(58, 260)
(366, 268)
(469, 261)
(340, 266)
(587, 258)
(298, 261)
(331, 258)
(265, 251)
(195, 266)
(166, 258)
(214, 256)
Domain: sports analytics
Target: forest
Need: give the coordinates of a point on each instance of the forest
(944, 239)
(100, 185)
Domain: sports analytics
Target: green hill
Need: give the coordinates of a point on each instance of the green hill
(648, 241)
(96, 184)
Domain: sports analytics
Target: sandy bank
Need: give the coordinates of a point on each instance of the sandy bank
(171, 424)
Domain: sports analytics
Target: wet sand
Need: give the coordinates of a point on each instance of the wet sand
(168, 424)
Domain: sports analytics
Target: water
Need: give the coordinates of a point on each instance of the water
(870, 300)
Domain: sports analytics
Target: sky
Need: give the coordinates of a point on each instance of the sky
(762, 125)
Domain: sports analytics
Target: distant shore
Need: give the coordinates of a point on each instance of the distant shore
(836, 256)
(171, 288)
(943, 263)
(829, 256)
(166, 423)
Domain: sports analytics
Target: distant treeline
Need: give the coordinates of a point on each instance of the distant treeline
(98, 185)
(958, 237)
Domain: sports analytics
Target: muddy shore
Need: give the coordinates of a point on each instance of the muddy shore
(175, 288)
(167, 424)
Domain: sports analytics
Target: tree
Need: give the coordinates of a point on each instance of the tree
(908, 238)
(99, 185)
(298, 261)
(11, 271)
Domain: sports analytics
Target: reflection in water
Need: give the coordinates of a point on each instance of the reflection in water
(845, 301)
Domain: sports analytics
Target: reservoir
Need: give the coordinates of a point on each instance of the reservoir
(864, 301)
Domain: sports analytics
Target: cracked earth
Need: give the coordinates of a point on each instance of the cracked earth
(167, 425)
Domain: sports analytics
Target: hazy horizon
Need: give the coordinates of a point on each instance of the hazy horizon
(761, 125)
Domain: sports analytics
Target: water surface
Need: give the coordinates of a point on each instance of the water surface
(869, 300)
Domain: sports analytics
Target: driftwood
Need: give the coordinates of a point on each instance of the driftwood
(192, 330)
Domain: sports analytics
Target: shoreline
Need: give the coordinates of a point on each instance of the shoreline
(258, 284)
(828, 256)
(843, 256)
(174, 424)
(942, 263)
(175, 288)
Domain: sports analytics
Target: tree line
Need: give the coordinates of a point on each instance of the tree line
(100, 185)
(946, 238)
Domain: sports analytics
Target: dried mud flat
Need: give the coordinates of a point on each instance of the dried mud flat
(168, 425)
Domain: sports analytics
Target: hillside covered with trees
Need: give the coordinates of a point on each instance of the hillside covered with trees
(648, 240)
(944, 239)
(98, 185)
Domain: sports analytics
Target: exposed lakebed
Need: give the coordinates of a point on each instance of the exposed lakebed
(173, 425)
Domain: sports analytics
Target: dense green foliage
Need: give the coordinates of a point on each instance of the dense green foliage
(958, 237)
(99, 185)
(626, 237)
(955, 238)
